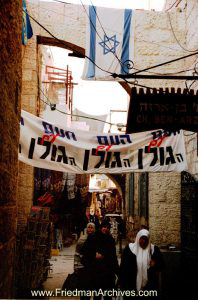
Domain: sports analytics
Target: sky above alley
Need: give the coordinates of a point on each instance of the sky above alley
(99, 97)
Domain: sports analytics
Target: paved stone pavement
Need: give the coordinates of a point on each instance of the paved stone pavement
(61, 266)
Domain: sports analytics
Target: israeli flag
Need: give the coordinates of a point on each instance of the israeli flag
(109, 42)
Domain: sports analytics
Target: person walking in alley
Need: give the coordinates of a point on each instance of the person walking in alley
(78, 278)
(100, 260)
(90, 229)
(140, 265)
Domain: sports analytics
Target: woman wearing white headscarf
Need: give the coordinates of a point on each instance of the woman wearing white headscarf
(140, 263)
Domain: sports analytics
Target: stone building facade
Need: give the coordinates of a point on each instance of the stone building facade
(10, 106)
(154, 43)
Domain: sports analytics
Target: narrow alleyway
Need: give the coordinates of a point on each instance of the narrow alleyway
(61, 266)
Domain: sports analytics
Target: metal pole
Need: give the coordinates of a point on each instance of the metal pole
(170, 77)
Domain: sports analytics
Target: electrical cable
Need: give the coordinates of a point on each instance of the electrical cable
(189, 87)
(135, 83)
(113, 74)
(68, 114)
(110, 43)
(141, 40)
(178, 42)
(170, 73)
(61, 2)
(173, 5)
(162, 64)
(62, 42)
(190, 134)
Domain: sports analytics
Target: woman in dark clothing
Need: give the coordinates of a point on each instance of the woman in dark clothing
(100, 260)
(141, 263)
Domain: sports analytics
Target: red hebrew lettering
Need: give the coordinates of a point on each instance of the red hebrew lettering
(156, 142)
(99, 148)
(47, 138)
(103, 147)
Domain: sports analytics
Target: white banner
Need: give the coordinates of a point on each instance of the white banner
(45, 145)
(109, 42)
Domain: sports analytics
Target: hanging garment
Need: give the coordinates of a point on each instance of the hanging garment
(109, 42)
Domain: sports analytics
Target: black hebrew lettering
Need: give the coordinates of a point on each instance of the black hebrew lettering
(68, 133)
(60, 132)
(22, 121)
(126, 162)
(171, 158)
(156, 134)
(31, 149)
(125, 136)
(102, 156)
(159, 133)
(161, 152)
(179, 157)
(155, 155)
(63, 156)
(45, 144)
(72, 161)
(54, 151)
(114, 140)
(48, 127)
(108, 159)
(86, 160)
(140, 159)
(158, 154)
(169, 133)
(117, 161)
(100, 138)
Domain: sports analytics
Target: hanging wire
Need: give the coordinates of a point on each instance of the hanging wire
(62, 42)
(141, 40)
(178, 42)
(112, 74)
(174, 4)
(73, 115)
(190, 134)
(130, 65)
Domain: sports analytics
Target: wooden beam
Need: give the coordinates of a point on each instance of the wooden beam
(43, 40)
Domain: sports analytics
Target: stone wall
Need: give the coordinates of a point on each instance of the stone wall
(188, 10)
(10, 98)
(192, 44)
(29, 103)
(164, 208)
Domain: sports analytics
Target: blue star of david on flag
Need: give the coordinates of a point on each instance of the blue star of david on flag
(107, 45)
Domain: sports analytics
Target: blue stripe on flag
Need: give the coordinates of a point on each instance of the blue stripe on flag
(126, 38)
(92, 47)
